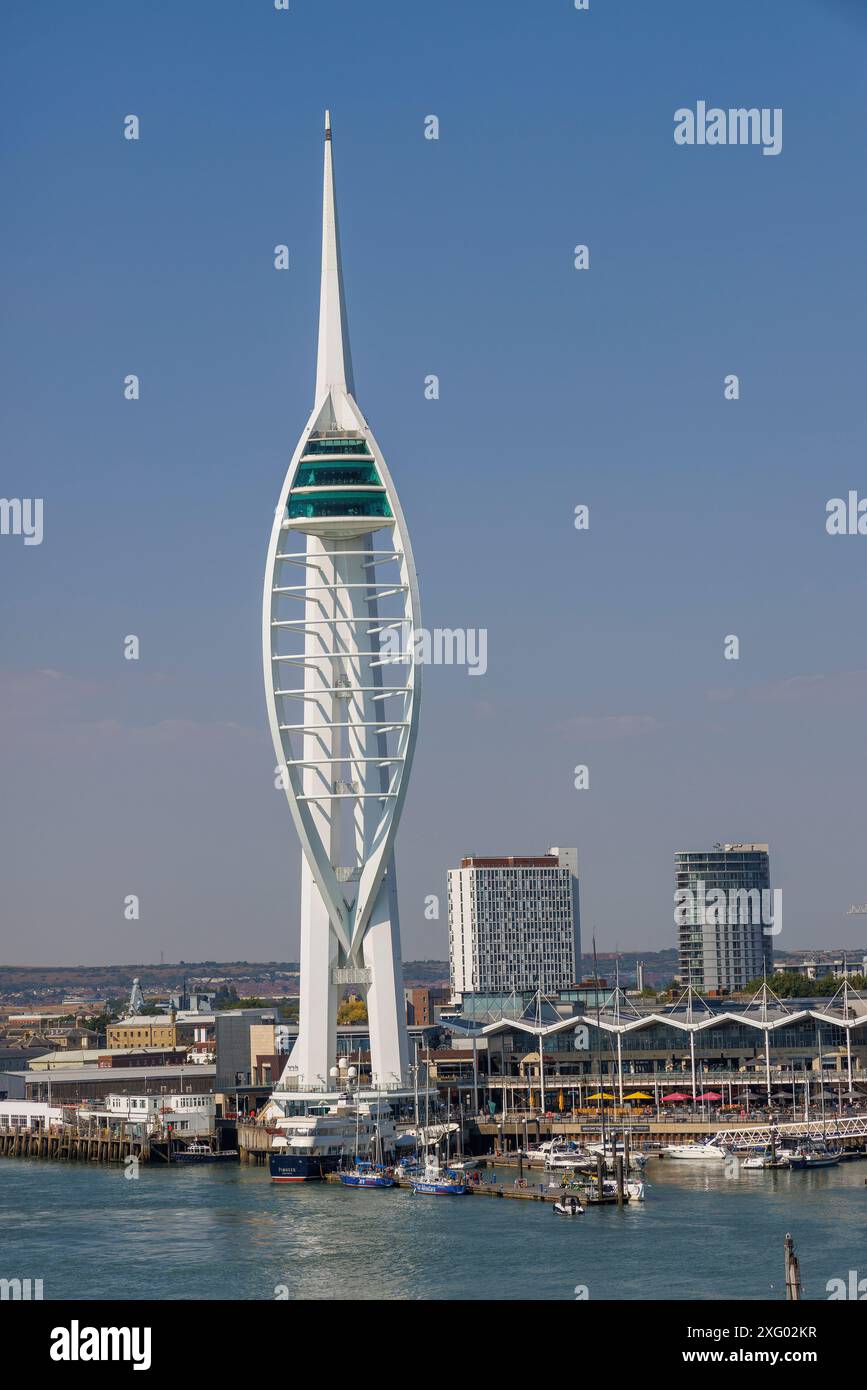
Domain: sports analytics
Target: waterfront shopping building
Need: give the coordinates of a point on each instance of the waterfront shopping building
(514, 923)
(765, 1051)
(721, 949)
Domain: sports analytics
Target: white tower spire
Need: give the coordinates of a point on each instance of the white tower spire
(333, 360)
(343, 704)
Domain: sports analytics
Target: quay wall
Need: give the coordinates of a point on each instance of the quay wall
(254, 1143)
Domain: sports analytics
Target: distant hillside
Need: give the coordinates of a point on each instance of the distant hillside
(247, 977)
(425, 972)
(117, 979)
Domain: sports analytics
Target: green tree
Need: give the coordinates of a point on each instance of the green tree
(352, 1011)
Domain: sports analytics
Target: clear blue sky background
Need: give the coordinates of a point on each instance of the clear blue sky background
(557, 387)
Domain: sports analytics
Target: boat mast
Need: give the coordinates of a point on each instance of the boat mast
(598, 1048)
(427, 1087)
(821, 1077)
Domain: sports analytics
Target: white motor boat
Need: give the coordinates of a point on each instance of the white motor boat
(633, 1189)
(544, 1148)
(568, 1206)
(610, 1151)
(700, 1152)
(575, 1162)
(758, 1161)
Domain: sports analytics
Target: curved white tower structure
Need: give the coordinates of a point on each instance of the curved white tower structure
(343, 711)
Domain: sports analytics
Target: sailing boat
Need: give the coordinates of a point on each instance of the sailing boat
(435, 1181)
(814, 1154)
(364, 1173)
(439, 1182)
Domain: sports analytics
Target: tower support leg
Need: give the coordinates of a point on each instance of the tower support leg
(386, 1007)
(315, 1050)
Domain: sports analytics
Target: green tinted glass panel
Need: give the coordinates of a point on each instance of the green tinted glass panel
(336, 474)
(336, 446)
(338, 504)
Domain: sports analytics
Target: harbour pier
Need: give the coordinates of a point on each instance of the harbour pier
(92, 1142)
(87, 1142)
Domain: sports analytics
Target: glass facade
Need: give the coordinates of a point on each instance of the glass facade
(330, 474)
(335, 444)
(327, 503)
(723, 902)
(330, 471)
(725, 1048)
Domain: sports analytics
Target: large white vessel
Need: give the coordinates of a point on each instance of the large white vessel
(702, 1152)
(314, 1137)
(567, 1156)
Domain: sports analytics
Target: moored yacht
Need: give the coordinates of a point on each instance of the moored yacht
(439, 1182)
(566, 1155)
(704, 1151)
(814, 1154)
(633, 1190)
(612, 1149)
(366, 1175)
(762, 1159)
(317, 1142)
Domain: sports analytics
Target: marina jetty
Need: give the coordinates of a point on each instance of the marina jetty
(505, 1136)
(523, 1190)
(87, 1141)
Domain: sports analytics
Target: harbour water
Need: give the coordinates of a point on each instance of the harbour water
(227, 1232)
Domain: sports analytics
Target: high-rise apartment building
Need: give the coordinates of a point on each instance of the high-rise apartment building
(725, 915)
(514, 923)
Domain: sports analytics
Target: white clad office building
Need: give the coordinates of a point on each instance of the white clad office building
(514, 923)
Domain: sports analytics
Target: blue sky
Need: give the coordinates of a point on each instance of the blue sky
(557, 387)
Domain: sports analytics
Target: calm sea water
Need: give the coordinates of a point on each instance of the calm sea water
(227, 1232)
